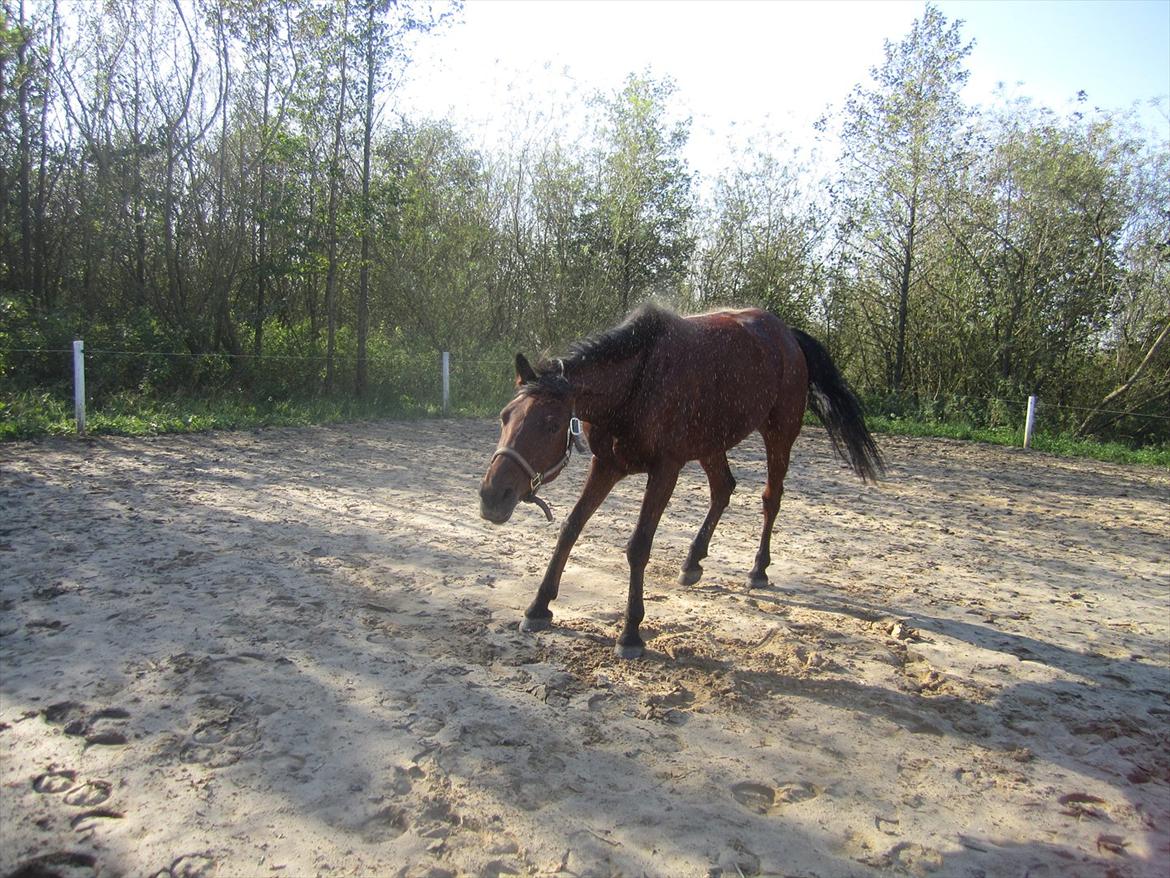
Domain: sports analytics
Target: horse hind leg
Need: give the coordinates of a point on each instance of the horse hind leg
(659, 486)
(778, 444)
(722, 484)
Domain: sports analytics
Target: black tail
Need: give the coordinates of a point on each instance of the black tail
(839, 409)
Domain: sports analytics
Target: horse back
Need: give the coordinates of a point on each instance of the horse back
(712, 379)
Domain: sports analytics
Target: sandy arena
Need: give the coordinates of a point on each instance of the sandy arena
(294, 652)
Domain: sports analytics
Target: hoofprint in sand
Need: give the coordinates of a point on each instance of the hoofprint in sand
(294, 652)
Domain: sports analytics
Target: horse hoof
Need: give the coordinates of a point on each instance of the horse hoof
(690, 577)
(758, 580)
(530, 624)
(629, 652)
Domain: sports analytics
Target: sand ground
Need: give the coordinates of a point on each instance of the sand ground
(294, 652)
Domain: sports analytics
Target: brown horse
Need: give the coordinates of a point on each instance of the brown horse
(653, 393)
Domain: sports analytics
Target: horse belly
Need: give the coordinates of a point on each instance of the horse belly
(718, 429)
(717, 410)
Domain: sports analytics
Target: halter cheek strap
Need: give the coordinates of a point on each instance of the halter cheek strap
(536, 479)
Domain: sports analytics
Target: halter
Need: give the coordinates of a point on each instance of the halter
(537, 478)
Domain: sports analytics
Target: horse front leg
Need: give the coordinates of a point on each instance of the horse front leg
(722, 483)
(659, 486)
(598, 483)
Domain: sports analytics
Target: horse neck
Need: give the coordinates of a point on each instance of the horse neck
(601, 390)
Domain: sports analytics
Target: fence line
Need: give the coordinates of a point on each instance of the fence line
(1080, 408)
(447, 360)
(1042, 404)
(180, 354)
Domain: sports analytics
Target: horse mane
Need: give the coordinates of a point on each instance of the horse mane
(638, 332)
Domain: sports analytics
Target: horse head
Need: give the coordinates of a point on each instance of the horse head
(537, 434)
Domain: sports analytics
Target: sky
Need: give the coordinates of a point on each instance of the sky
(749, 68)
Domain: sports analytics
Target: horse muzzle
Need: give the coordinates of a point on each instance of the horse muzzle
(497, 504)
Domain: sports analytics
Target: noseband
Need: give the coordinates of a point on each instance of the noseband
(539, 478)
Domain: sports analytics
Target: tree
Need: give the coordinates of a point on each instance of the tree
(763, 243)
(27, 45)
(380, 36)
(1136, 347)
(548, 200)
(440, 249)
(903, 143)
(639, 225)
(1039, 230)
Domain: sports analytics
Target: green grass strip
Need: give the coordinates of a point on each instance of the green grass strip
(35, 415)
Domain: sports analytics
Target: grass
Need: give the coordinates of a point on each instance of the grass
(35, 415)
(1060, 444)
(31, 416)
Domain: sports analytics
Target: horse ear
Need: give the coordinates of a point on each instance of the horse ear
(524, 372)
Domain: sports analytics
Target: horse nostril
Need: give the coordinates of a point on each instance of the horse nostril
(494, 496)
(497, 503)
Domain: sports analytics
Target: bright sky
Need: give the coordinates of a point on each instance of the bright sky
(745, 66)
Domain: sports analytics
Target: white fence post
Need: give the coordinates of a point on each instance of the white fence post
(446, 381)
(1030, 422)
(79, 385)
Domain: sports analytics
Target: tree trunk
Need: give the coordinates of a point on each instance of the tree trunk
(40, 258)
(334, 186)
(5, 255)
(262, 218)
(627, 277)
(363, 303)
(226, 337)
(137, 202)
(24, 149)
(904, 298)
